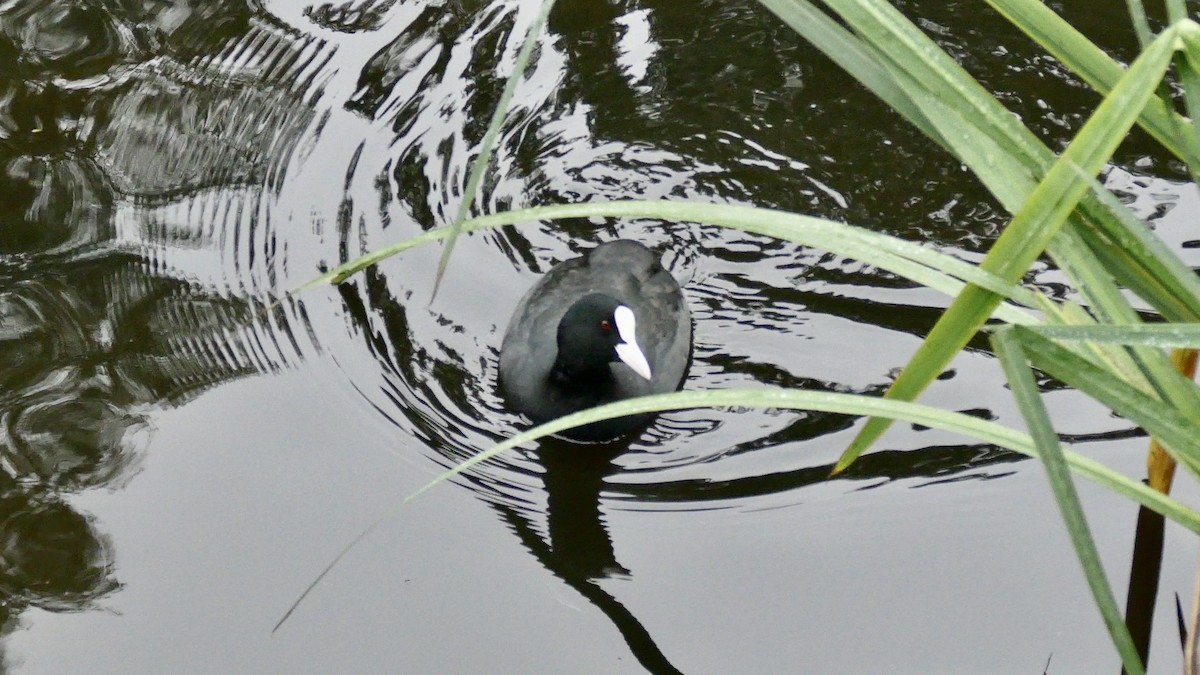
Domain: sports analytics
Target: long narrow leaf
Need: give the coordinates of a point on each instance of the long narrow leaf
(1111, 225)
(902, 45)
(1162, 421)
(479, 166)
(1189, 75)
(919, 263)
(1110, 306)
(1137, 14)
(1115, 357)
(1150, 335)
(1008, 158)
(1073, 248)
(852, 55)
(931, 78)
(850, 404)
(1171, 304)
(1030, 230)
(966, 126)
(1003, 154)
(1098, 69)
(1033, 410)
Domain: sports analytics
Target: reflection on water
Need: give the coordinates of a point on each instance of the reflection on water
(350, 17)
(53, 556)
(103, 124)
(166, 173)
(577, 547)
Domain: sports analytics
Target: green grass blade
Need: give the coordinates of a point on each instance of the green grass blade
(1176, 10)
(1189, 74)
(1151, 367)
(1110, 225)
(1172, 284)
(1029, 401)
(852, 55)
(832, 402)
(1010, 177)
(1157, 286)
(1145, 367)
(1012, 182)
(1098, 69)
(1110, 355)
(1008, 158)
(479, 166)
(919, 263)
(1162, 335)
(1004, 155)
(1030, 230)
(1171, 427)
(938, 76)
(1137, 14)
(1002, 171)
(1141, 260)
(848, 404)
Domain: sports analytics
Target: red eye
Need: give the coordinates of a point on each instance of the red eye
(605, 324)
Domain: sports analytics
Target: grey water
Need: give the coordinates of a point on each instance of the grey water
(183, 447)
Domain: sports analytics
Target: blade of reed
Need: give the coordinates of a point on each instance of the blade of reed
(1150, 335)
(1137, 14)
(1098, 69)
(853, 55)
(1133, 276)
(1137, 258)
(1149, 262)
(1189, 74)
(919, 263)
(833, 402)
(971, 106)
(902, 46)
(1068, 248)
(1175, 430)
(849, 404)
(1007, 157)
(1007, 175)
(974, 112)
(1033, 410)
(1011, 182)
(486, 146)
(1110, 306)
(1115, 357)
(1030, 230)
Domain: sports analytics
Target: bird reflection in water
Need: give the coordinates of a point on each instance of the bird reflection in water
(579, 549)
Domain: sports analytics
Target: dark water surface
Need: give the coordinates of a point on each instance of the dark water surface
(179, 457)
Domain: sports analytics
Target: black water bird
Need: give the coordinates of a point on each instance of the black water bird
(610, 325)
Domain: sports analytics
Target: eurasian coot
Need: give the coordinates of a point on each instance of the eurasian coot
(610, 325)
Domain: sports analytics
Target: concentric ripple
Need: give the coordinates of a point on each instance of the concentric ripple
(588, 125)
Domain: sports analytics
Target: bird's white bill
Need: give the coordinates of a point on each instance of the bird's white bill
(628, 350)
(634, 358)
